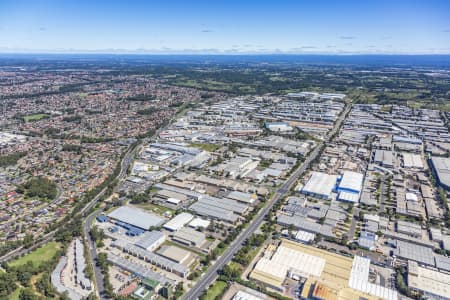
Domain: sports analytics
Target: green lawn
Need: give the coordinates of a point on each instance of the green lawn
(34, 117)
(38, 256)
(215, 290)
(15, 294)
(206, 147)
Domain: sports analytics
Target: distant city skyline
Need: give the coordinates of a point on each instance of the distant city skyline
(225, 27)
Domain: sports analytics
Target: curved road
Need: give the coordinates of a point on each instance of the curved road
(212, 273)
(125, 164)
(47, 237)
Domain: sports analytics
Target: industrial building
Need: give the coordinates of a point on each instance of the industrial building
(441, 170)
(189, 237)
(152, 258)
(219, 209)
(304, 236)
(305, 224)
(367, 240)
(241, 295)
(384, 158)
(412, 161)
(286, 259)
(442, 263)
(138, 269)
(320, 185)
(178, 221)
(278, 126)
(359, 280)
(350, 186)
(136, 217)
(199, 223)
(409, 251)
(324, 275)
(151, 240)
(242, 197)
(177, 255)
(409, 228)
(433, 284)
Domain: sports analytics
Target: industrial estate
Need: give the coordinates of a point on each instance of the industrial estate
(118, 186)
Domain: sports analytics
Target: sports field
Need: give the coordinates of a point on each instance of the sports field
(38, 256)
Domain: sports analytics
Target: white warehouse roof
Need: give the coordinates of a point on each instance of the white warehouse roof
(288, 259)
(428, 280)
(320, 184)
(349, 197)
(351, 181)
(199, 222)
(178, 221)
(359, 280)
(412, 161)
(136, 217)
(241, 295)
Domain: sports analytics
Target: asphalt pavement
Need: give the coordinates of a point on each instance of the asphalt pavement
(98, 276)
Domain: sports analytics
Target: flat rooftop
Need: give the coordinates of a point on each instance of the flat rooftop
(428, 280)
(136, 217)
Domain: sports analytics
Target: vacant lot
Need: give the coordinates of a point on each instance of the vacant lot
(206, 147)
(38, 256)
(35, 117)
(215, 290)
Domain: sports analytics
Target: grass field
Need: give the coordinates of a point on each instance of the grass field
(38, 256)
(206, 147)
(217, 289)
(155, 208)
(15, 294)
(35, 117)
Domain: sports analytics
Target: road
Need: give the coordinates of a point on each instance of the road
(98, 276)
(211, 275)
(92, 258)
(125, 164)
(383, 193)
(21, 250)
(36, 209)
(355, 218)
(126, 161)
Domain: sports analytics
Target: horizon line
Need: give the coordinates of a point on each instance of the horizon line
(224, 53)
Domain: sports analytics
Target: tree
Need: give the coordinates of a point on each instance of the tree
(7, 284)
(179, 289)
(230, 273)
(40, 187)
(45, 287)
(27, 294)
(28, 240)
(344, 239)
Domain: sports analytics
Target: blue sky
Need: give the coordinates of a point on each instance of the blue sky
(189, 26)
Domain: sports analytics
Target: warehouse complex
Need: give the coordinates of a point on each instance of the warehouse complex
(339, 221)
(326, 275)
(434, 285)
(152, 258)
(322, 185)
